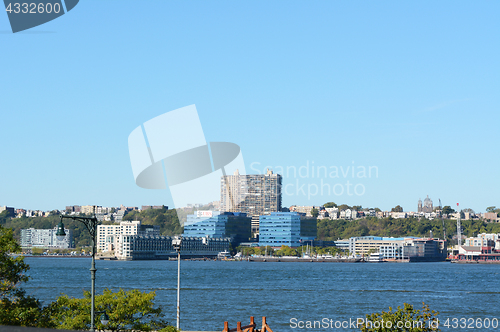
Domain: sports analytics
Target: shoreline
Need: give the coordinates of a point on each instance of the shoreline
(300, 259)
(474, 262)
(54, 256)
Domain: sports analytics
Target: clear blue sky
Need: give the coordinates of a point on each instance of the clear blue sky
(411, 88)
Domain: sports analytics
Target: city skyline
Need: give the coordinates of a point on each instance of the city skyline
(101, 209)
(406, 89)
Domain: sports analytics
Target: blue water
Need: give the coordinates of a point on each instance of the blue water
(214, 292)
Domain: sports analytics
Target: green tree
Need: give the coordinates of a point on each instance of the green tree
(127, 310)
(397, 208)
(245, 251)
(343, 207)
(286, 251)
(4, 217)
(493, 209)
(447, 210)
(314, 212)
(16, 308)
(330, 205)
(37, 251)
(267, 250)
(404, 319)
(12, 269)
(166, 219)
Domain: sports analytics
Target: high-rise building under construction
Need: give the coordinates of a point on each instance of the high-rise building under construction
(255, 194)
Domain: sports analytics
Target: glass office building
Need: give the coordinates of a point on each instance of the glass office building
(215, 224)
(286, 228)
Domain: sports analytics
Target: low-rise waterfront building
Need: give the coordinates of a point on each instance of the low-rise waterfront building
(45, 238)
(364, 245)
(140, 247)
(412, 248)
(108, 236)
(482, 248)
(484, 240)
(425, 250)
(132, 240)
(342, 244)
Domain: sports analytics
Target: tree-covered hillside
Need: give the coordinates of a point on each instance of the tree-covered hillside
(166, 219)
(344, 229)
(327, 229)
(80, 234)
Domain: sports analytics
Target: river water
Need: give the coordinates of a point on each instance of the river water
(289, 294)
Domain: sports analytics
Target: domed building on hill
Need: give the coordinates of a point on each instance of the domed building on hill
(428, 206)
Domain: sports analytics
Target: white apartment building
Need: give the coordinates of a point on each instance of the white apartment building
(304, 209)
(390, 247)
(484, 240)
(333, 213)
(111, 237)
(348, 214)
(399, 215)
(87, 209)
(392, 251)
(45, 238)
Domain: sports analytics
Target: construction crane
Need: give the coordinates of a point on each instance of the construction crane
(441, 214)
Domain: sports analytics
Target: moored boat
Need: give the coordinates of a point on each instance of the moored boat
(376, 258)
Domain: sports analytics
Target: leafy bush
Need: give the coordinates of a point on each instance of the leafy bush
(127, 310)
(405, 319)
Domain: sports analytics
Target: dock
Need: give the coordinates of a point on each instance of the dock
(301, 259)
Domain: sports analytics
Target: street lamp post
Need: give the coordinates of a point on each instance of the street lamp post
(176, 243)
(91, 224)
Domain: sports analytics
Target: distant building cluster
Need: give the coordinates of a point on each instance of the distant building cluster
(482, 248)
(31, 213)
(133, 241)
(102, 213)
(425, 209)
(249, 213)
